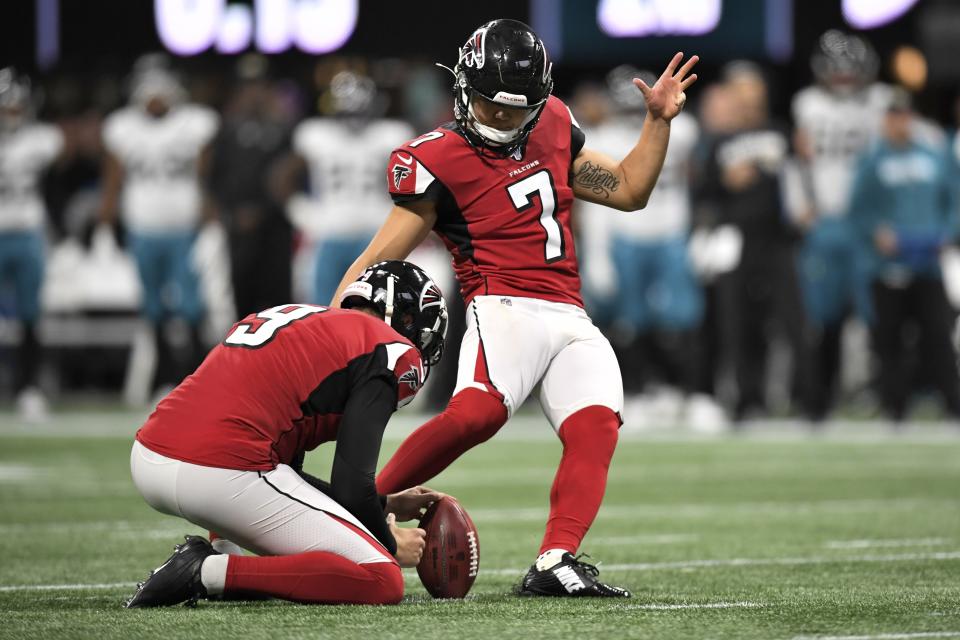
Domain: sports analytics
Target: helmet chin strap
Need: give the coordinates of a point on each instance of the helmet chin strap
(388, 316)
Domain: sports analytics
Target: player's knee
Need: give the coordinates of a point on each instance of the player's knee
(593, 429)
(390, 583)
(478, 414)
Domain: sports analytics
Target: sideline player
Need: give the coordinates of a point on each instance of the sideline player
(27, 149)
(157, 150)
(225, 449)
(497, 186)
(343, 155)
(836, 119)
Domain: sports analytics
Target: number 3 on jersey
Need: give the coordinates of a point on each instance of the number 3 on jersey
(541, 184)
(264, 325)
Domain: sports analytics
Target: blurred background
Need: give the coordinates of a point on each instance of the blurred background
(797, 260)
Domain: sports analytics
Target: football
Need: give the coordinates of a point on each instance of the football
(451, 558)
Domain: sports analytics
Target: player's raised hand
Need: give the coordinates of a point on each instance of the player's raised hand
(411, 503)
(665, 99)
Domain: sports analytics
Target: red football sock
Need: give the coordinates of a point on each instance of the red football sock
(315, 577)
(589, 438)
(472, 417)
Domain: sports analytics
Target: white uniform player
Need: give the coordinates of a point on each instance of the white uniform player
(161, 191)
(838, 126)
(344, 156)
(156, 147)
(27, 149)
(836, 120)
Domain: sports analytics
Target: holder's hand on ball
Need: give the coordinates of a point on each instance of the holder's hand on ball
(410, 543)
(410, 504)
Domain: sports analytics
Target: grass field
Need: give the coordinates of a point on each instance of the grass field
(792, 536)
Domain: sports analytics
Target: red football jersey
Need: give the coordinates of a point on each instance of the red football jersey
(276, 387)
(505, 220)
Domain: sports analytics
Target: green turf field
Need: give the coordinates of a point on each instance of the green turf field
(738, 537)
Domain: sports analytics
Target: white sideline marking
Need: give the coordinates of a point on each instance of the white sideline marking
(887, 636)
(755, 562)
(694, 605)
(879, 543)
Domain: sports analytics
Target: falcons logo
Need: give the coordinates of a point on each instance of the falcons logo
(400, 174)
(430, 296)
(411, 378)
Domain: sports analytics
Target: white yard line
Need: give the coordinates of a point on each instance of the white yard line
(16, 473)
(887, 636)
(756, 562)
(639, 566)
(692, 605)
(886, 543)
(67, 587)
(664, 538)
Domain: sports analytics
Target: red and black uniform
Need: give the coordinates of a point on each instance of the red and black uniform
(284, 381)
(505, 220)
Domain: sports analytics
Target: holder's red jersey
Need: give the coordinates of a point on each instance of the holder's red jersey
(505, 220)
(277, 385)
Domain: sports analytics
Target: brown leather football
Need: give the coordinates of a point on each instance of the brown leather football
(451, 558)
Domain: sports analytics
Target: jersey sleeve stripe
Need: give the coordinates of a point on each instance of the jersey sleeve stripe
(424, 179)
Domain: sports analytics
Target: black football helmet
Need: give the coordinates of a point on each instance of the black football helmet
(506, 63)
(844, 58)
(408, 300)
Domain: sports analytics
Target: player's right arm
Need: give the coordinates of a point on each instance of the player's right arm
(404, 229)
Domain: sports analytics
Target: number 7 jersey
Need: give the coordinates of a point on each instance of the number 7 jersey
(505, 220)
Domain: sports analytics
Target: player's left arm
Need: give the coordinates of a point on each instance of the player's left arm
(627, 184)
(352, 479)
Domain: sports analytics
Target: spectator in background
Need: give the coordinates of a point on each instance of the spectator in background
(27, 149)
(710, 240)
(835, 119)
(639, 265)
(905, 208)
(343, 154)
(157, 150)
(743, 178)
(245, 153)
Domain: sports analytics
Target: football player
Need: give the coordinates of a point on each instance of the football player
(225, 449)
(344, 156)
(156, 151)
(497, 186)
(835, 119)
(27, 149)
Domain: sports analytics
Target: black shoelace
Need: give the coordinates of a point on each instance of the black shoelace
(586, 566)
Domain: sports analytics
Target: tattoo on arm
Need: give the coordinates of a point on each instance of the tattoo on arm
(600, 181)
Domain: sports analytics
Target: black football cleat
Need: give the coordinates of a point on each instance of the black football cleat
(569, 578)
(176, 580)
